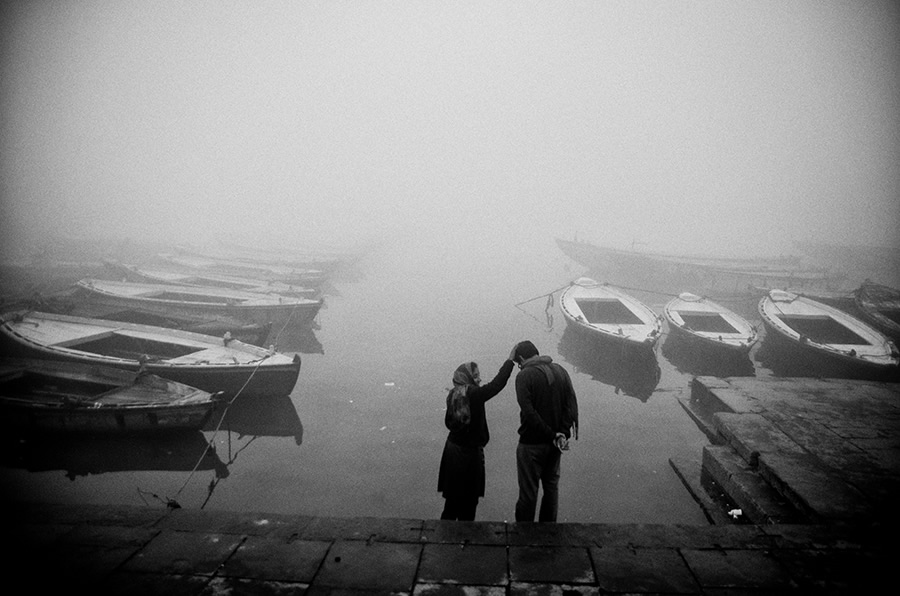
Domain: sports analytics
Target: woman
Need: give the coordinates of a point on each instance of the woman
(461, 476)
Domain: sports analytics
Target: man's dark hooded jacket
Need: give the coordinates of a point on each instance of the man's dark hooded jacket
(547, 402)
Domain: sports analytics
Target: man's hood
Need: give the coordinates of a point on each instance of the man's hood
(542, 363)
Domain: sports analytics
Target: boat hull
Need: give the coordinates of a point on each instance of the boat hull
(184, 301)
(259, 374)
(709, 325)
(820, 332)
(609, 316)
(58, 397)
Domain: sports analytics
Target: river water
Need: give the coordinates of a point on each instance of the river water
(362, 432)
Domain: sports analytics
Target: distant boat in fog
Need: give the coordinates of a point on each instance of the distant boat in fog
(609, 314)
(711, 273)
(135, 274)
(709, 324)
(262, 271)
(819, 331)
(202, 361)
(209, 302)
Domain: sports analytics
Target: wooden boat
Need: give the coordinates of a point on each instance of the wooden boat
(215, 365)
(607, 313)
(714, 273)
(325, 261)
(131, 273)
(210, 303)
(817, 329)
(219, 326)
(880, 306)
(52, 396)
(709, 324)
(262, 271)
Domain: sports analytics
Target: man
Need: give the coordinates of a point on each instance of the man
(548, 413)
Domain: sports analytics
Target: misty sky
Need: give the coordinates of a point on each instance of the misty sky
(687, 126)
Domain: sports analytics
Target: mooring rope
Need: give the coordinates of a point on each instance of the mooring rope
(173, 502)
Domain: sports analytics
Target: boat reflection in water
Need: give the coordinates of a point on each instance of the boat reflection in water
(270, 417)
(295, 339)
(240, 423)
(631, 373)
(89, 455)
(697, 359)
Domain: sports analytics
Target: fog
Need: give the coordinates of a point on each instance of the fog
(703, 127)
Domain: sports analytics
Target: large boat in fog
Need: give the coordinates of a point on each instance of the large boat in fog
(714, 274)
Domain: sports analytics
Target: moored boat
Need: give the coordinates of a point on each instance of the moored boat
(181, 277)
(203, 361)
(206, 302)
(262, 271)
(39, 395)
(216, 325)
(608, 313)
(709, 324)
(819, 330)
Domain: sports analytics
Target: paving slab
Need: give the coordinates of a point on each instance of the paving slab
(463, 532)
(186, 553)
(818, 493)
(736, 569)
(464, 564)
(539, 533)
(426, 589)
(363, 528)
(646, 570)
(353, 564)
(278, 560)
(550, 564)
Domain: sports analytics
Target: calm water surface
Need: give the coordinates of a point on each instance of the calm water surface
(362, 432)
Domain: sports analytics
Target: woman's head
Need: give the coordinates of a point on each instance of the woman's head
(467, 374)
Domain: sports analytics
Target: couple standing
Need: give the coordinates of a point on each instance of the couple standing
(548, 413)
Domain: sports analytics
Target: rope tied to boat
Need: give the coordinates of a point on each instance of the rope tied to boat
(210, 443)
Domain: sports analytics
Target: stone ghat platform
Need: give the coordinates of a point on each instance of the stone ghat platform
(796, 450)
(799, 482)
(137, 551)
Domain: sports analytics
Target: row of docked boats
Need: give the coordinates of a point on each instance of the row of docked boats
(809, 327)
(152, 349)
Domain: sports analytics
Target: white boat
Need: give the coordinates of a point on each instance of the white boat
(202, 361)
(134, 274)
(817, 329)
(709, 323)
(250, 307)
(262, 271)
(608, 313)
(38, 395)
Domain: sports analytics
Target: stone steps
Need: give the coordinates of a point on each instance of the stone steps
(732, 473)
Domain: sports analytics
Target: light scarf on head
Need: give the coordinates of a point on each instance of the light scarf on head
(463, 378)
